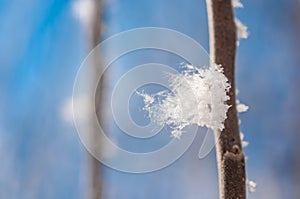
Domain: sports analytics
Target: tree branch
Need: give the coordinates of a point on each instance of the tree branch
(230, 156)
(96, 185)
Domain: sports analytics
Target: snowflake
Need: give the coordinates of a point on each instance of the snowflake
(197, 96)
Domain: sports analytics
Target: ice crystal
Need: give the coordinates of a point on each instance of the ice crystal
(242, 30)
(237, 4)
(251, 186)
(244, 143)
(198, 96)
(241, 107)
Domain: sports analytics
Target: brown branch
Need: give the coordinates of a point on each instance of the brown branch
(230, 156)
(96, 185)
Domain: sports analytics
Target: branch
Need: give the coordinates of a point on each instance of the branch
(230, 156)
(95, 168)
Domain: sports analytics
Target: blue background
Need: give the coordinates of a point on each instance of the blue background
(42, 47)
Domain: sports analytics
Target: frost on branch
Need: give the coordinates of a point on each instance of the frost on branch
(237, 4)
(242, 30)
(251, 186)
(197, 96)
(244, 143)
(241, 107)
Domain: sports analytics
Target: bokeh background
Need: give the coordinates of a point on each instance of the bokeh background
(43, 43)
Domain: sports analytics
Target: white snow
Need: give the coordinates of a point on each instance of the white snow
(237, 4)
(241, 107)
(251, 186)
(242, 30)
(198, 97)
(244, 143)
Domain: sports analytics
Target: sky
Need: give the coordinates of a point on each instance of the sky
(42, 46)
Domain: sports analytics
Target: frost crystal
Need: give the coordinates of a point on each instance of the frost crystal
(241, 107)
(251, 186)
(237, 4)
(244, 143)
(242, 30)
(197, 96)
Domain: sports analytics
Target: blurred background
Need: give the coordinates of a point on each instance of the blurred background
(43, 43)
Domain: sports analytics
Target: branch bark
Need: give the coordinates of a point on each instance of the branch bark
(96, 185)
(230, 156)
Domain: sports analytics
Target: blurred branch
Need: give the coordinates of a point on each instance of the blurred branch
(294, 16)
(230, 156)
(96, 184)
